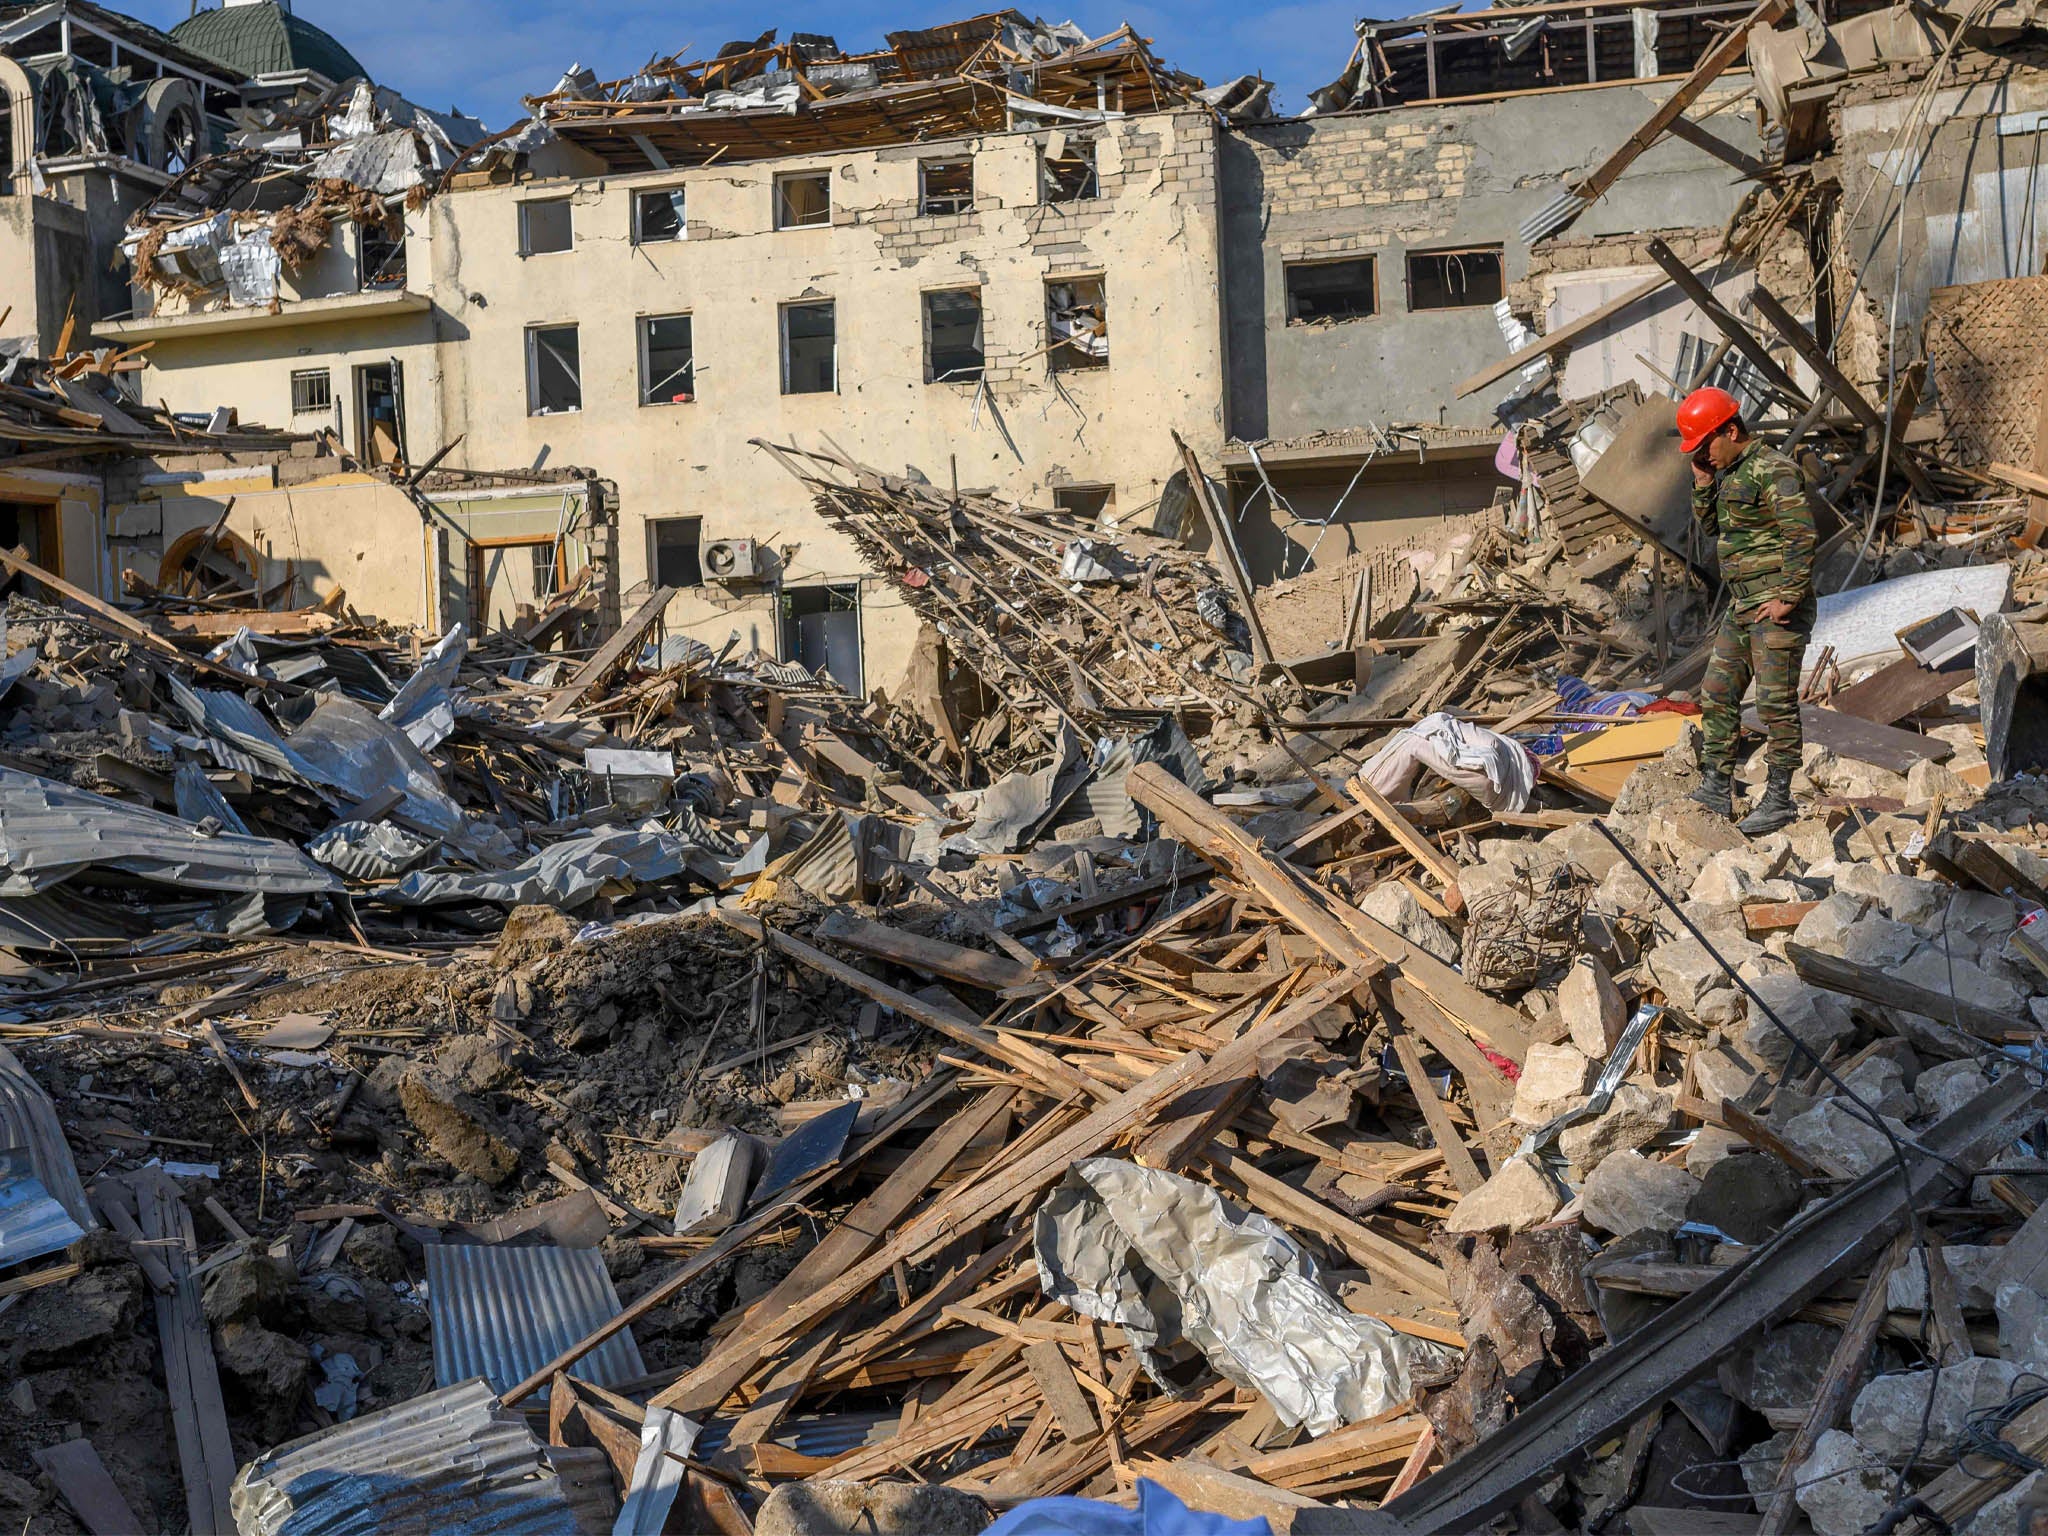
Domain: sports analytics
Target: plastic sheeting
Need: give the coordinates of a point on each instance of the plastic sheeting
(1497, 771)
(1158, 1513)
(1173, 1261)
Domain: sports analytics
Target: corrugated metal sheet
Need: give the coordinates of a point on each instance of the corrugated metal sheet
(504, 1312)
(28, 1120)
(451, 1462)
(50, 832)
(31, 1222)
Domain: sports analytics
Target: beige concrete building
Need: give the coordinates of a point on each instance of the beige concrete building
(655, 325)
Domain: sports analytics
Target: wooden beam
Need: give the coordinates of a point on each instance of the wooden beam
(1223, 544)
(1726, 323)
(609, 655)
(1563, 336)
(1874, 984)
(1457, 1156)
(935, 957)
(1837, 383)
(105, 616)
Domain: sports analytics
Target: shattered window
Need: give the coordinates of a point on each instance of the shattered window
(1067, 170)
(1077, 320)
(952, 336)
(545, 227)
(668, 364)
(1454, 279)
(312, 390)
(803, 201)
(1332, 290)
(383, 261)
(672, 557)
(658, 216)
(554, 371)
(810, 349)
(945, 186)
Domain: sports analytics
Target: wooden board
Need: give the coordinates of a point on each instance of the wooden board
(1632, 742)
(1901, 689)
(610, 654)
(75, 1467)
(1881, 746)
(205, 1454)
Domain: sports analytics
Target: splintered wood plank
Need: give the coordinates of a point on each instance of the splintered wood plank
(1283, 1202)
(82, 1478)
(206, 1456)
(1047, 1363)
(1457, 1156)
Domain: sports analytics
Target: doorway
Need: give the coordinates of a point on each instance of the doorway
(380, 414)
(31, 526)
(821, 632)
(509, 578)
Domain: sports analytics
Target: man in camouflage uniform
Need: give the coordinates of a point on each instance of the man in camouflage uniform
(1753, 498)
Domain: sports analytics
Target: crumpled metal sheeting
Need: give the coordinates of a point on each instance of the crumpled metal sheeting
(29, 1124)
(50, 832)
(32, 1223)
(567, 875)
(502, 1312)
(384, 163)
(452, 1462)
(367, 850)
(231, 718)
(350, 750)
(1170, 1259)
(429, 685)
(198, 798)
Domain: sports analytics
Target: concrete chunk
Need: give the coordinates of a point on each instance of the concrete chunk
(1592, 1008)
(1842, 1487)
(1522, 1195)
(1634, 1117)
(1887, 1416)
(1554, 1079)
(1630, 1193)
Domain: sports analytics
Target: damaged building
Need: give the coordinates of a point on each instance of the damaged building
(956, 789)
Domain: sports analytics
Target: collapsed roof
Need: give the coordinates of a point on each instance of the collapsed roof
(761, 98)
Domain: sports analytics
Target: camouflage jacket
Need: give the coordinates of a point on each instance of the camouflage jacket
(1758, 507)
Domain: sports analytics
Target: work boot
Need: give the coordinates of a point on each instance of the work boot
(1716, 793)
(1775, 809)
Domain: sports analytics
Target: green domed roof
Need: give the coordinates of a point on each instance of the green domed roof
(266, 39)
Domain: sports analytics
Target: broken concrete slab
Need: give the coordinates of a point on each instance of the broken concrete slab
(1777, 1373)
(1592, 1007)
(1942, 1089)
(1818, 1018)
(1749, 1196)
(1832, 1136)
(829, 1506)
(461, 1132)
(1635, 1116)
(1393, 904)
(1842, 1487)
(1970, 1265)
(1554, 1079)
(1892, 1418)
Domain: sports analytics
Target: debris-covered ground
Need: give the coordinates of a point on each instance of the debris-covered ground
(1307, 1048)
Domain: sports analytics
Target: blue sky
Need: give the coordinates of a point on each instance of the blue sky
(483, 55)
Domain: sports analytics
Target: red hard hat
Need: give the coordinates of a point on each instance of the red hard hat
(1703, 413)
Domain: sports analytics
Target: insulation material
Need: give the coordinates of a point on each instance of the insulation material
(1176, 1264)
(1862, 624)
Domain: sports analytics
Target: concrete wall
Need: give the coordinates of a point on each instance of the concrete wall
(1427, 177)
(1151, 235)
(1967, 212)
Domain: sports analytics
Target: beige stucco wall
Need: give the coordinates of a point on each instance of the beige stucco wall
(348, 530)
(1152, 235)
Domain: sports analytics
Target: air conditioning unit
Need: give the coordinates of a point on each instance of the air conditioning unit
(730, 559)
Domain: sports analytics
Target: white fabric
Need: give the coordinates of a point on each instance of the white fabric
(1496, 770)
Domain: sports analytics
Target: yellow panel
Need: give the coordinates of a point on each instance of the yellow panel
(1648, 737)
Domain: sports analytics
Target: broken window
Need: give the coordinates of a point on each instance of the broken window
(668, 364)
(672, 557)
(1067, 170)
(804, 200)
(1454, 279)
(658, 216)
(545, 227)
(1096, 503)
(945, 186)
(1332, 290)
(952, 336)
(554, 371)
(383, 258)
(312, 390)
(810, 349)
(1077, 320)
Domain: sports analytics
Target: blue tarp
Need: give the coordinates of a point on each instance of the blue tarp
(1158, 1513)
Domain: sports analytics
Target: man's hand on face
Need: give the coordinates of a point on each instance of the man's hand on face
(1701, 475)
(1775, 612)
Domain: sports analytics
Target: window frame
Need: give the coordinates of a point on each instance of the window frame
(782, 314)
(1104, 489)
(642, 330)
(326, 378)
(1409, 258)
(1059, 356)
(786, 178)
(526, 205)
(1289, 268)
(932, 373)
(696, 547)
(641, 195)
(924, 195)
(1093, 183)
(533, 345)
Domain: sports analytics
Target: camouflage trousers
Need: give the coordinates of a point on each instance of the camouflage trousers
(1750, 646)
